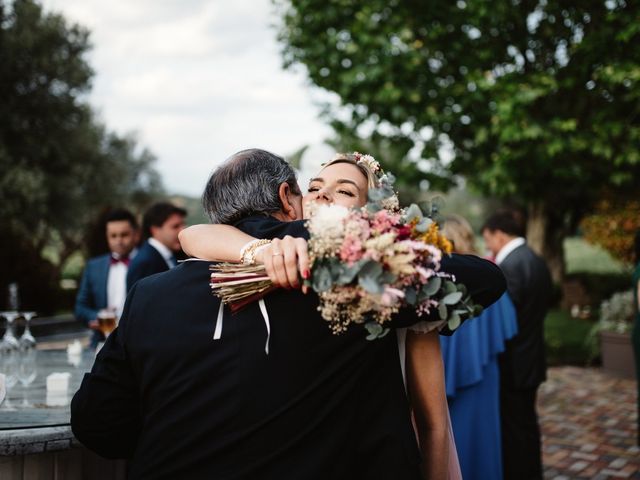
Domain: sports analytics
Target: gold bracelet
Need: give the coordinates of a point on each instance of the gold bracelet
(248, 252)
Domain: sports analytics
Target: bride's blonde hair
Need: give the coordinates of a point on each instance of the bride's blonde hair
(357, 161)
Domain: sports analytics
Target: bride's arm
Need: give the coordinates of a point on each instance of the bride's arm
(214, 242)
(283, 258)
(425, 382)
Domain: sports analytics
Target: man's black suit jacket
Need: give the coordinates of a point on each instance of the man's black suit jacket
(146, 262)
(523, 363)
(181, 405)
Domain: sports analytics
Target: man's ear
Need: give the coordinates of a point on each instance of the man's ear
(285, 194)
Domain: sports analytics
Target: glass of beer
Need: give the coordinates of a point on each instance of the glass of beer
(106, 321)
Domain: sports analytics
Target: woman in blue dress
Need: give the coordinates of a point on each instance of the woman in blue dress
(472, 377)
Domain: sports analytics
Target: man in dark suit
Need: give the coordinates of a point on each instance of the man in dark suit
(179, 404)
(523, 364)
(161, 225)
(103, 284)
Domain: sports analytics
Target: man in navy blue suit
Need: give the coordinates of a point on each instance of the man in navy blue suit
(103, 284)
(161, 225)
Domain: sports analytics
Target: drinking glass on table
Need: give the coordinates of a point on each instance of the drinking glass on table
(27, 353)
(107, 321)
(9, 350)
(27, 339)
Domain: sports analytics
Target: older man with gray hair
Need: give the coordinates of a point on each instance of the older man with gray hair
(179, 404)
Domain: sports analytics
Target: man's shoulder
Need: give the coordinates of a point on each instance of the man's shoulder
(145, 252)
(98, 261)
(263, 226)
(184, 272)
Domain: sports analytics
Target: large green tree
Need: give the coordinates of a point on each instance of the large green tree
(59, 166)
(538, 101)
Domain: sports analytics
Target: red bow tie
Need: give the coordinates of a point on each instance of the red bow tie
(115, 260)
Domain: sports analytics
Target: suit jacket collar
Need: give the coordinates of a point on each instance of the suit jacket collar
(508, 248)
(264, 226)
(163, 250)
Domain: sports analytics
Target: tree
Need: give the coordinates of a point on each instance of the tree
(59, 166)
(613, 225)
(537, 100)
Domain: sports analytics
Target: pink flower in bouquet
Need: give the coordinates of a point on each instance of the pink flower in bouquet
(391, 296)
(351, 250)
(383, 221)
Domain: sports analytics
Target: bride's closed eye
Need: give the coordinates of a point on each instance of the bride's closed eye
(347, 193)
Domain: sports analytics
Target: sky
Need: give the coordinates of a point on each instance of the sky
(196, 80)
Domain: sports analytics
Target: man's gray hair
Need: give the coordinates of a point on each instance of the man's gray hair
(247, 184)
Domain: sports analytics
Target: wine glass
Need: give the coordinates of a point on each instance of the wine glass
(27, 369)
(9, 347)
(27, 339)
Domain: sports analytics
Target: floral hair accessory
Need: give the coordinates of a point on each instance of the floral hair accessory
(370, 162)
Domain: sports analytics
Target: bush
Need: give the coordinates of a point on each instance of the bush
(566, 339)
(600, 286)
(613, 226)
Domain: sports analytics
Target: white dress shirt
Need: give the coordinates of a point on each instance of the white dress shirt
(508, 248)
(117, 284)
(164, 251)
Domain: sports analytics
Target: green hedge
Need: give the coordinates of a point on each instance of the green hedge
(566, 339)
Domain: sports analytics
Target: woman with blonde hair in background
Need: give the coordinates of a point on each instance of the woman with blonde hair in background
(472, 377)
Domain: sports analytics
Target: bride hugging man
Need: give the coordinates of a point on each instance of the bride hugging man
(178, 403)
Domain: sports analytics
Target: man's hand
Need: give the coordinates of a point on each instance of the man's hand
(94, 325)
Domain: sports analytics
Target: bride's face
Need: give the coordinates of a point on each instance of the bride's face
(340, 184)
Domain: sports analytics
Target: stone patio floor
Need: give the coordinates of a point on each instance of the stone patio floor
(588, 421)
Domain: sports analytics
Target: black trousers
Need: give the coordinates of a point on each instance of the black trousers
(521, 452)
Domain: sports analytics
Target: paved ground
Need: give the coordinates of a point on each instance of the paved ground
(588, 423)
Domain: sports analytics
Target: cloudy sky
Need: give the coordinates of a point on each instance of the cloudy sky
(197, 80)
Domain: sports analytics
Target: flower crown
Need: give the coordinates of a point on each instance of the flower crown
(369, 161)
(385, 181)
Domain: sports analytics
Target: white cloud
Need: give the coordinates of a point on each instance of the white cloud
(197, 80)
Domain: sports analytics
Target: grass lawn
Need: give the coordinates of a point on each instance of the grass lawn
(581, 256)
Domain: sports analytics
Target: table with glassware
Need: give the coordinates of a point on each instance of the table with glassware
(35, 436)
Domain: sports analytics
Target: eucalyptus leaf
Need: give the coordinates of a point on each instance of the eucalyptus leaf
(454, 321)
(349, 273)
(452, 298)
(424, 224)
(370, 284)
(432, 287)
(449, 287)
(375, 330)
(411, 296)
(373, 207)
(414, 212)
(377, 194)
(442, 311)
(321, 279)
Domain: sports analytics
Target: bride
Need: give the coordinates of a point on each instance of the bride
(345, 181)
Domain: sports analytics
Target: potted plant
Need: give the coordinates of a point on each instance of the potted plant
(614, 330)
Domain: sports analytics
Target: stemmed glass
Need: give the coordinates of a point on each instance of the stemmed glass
(27, 339)
(27, 370)
(9, 347)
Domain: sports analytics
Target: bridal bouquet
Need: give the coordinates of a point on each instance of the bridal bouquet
(367, 264)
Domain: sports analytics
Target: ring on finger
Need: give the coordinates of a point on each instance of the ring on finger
(276, 254)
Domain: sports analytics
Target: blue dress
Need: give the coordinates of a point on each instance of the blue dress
(473, 388)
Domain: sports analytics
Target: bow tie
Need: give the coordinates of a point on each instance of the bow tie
(115, 261)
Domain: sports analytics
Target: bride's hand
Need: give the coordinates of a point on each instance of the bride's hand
(283, 259)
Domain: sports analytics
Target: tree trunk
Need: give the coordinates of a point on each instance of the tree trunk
(546, 232)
